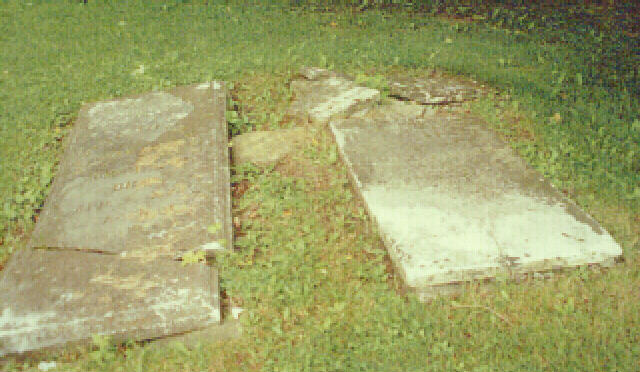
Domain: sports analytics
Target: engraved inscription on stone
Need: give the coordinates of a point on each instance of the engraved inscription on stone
(146, 173)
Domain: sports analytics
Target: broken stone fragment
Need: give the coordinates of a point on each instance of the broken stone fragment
(329, 96)
(314, 73)
(433, 90)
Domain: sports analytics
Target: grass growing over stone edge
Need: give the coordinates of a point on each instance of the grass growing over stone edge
(315, 286)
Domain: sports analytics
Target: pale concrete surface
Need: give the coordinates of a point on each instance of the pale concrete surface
(267, 147)
(454, 203)
(148, 173)
(50, 298)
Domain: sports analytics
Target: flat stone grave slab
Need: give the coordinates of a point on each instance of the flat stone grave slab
(322, 95)
(455, 203)
(147, 173)
(433, 90)
(50, 298)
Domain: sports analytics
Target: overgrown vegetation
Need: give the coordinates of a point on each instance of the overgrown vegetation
(308, 265)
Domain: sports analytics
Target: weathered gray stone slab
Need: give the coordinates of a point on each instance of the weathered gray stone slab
(267, 147)
(433, 90)
(455, 203)
(49, 298)
(148, 173)
(324, 95)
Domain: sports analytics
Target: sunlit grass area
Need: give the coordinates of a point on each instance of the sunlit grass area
(308, 264)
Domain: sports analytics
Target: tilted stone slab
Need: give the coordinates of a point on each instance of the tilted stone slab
(433, 90)
(455, 203)
(147, 173)
(49, 298)
(324, 95)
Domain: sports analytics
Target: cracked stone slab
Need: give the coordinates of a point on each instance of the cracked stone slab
(433, 90)
(454, 203)
(148, 173)
(323, 95)
(50, 298)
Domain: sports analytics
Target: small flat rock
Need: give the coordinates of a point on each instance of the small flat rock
(49, 298)
(328, 96)
(455, 203)
(146, 173)
(267, 147)
(433, 90)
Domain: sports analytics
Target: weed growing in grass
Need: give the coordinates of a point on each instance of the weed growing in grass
(105, 351)
(377, 81)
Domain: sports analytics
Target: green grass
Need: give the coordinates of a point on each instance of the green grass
(315, 285)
